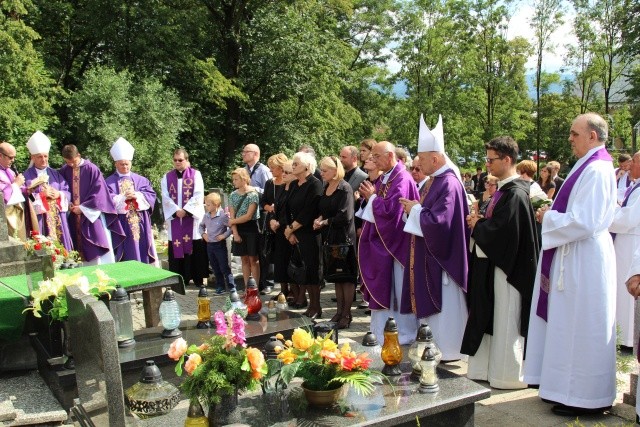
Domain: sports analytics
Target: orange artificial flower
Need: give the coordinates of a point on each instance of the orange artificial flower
(192, 363)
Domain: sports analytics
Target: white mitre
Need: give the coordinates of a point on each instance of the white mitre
(38, 143)
(433, 140)
(122, 150)
(430, 140)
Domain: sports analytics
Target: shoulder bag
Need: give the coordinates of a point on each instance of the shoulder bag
(339, 260)
(297, 269)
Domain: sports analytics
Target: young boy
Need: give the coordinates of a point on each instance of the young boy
(215, 230)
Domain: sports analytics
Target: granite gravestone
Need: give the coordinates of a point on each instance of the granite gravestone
(95, 350)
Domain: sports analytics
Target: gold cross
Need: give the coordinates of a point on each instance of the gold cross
(176, 243)
(188, 194)
(186, 238)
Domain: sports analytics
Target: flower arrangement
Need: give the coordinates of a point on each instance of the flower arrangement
(221, 365)
(322, 364)
(51, 299)
(539, 199)
(39, 244)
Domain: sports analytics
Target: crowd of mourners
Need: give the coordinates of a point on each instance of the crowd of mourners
(527, 280)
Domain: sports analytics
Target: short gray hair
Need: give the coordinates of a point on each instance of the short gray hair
(306, 159)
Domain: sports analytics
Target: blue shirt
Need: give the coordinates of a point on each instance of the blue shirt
(214, 225)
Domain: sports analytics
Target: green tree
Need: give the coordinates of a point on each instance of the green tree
(27, 91)
(547, 17)
(112, 104)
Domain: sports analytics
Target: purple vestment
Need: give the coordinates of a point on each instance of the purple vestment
(384, 241)
(7, 176)
(90, 190)
(443, 247)
(138, 244)
(52, 222)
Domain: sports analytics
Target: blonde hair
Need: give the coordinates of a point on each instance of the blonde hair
(491, 178)
(289, 164)
(332, 162)
(277, 160)
(527, 166)
(242, 173)
(214, 198)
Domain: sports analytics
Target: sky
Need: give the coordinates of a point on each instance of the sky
(552, 61)
(519, 26)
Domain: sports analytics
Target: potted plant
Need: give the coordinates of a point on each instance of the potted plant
(323, 366)
(221, 367)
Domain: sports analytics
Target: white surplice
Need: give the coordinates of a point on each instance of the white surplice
(498, 360)
(626, 225)
(573, 355)
(195, 204)
(633, 270)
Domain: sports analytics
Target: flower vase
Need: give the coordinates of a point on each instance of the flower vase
(219, 412)
(322, 398)
(66, 346)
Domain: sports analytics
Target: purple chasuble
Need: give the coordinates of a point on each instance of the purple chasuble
(181, 228)
(444, 247)
(384, 241)
(58, 182)
(139, 244)
(91, 191)
(560, 205)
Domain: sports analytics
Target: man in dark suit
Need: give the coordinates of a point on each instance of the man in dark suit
(352, 173)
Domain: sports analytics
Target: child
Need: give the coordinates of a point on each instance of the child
(215, 230)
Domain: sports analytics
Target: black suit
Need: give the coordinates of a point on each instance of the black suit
(478, 183)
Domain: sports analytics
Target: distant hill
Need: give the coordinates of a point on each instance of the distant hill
(400, 88)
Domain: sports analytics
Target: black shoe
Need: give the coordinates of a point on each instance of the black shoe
(550, 402)
(367, 312)
(574, 411)
(363, 305)
(334, 299)
(266, 290)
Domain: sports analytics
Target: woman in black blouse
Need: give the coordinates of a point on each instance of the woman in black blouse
(272, 197)
(336, 222)
(301, 209)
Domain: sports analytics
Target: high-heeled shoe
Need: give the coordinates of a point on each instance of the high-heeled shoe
(344, 322)
(299, 305)
(313, 315)
(336, 317)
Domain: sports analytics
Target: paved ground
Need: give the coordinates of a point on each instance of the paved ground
(504, 408)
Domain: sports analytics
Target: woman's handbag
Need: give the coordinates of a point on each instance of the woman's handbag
(297, 269)
(339, 261)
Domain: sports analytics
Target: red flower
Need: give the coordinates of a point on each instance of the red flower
(53, 258)
(57, 251)
(37, 246)
(34, 233)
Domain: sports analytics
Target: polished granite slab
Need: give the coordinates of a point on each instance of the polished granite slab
(151, 346)
(395, 404)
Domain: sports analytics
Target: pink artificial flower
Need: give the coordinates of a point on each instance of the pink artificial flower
(192, 363)
(237, 323)
(221, 323)
(177, 349)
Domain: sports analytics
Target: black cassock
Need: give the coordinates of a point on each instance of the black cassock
(510, 241)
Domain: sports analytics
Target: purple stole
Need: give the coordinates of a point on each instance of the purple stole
(560, 205)
(181, 228)
(492, 203)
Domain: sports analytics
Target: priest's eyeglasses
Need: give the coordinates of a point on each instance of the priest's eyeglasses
(492, 159)
(8, 157)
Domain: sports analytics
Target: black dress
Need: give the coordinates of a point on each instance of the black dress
(276, 195)
(302, 207)
(338, 210)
